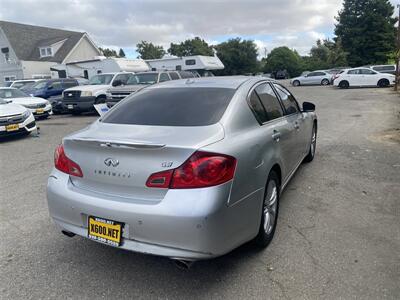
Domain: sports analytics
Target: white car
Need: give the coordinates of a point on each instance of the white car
(23, 83)
(15, 119)
(38, 106)
(362, 77)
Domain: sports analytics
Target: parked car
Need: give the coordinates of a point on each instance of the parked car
(389, 69)
(362, 77)
(280, 74)
(82, 98)
(312, 78)
(139, 80)
(184, 169)
(15, 119)
(22, 83)
(40, 108)
(47, 88)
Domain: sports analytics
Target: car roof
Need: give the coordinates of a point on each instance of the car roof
(232, 82)
(7, 88)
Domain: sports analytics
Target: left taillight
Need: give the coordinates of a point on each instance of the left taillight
(64, 164)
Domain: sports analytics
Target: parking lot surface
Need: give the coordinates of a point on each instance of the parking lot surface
(337, 237)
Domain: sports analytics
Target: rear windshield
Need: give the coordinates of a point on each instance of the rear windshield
(196, 106)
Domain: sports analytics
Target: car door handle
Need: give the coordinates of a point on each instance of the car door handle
(296, 125)
(276, 135)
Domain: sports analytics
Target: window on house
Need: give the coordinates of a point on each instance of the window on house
(46, 51)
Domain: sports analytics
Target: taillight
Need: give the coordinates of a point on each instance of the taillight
(202, 169)
(64, 164)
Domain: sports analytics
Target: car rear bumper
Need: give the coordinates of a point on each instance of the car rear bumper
(81, 104)
(185, 224)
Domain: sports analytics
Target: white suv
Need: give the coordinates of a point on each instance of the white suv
(82, 98)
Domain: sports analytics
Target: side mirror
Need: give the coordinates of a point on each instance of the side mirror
(117, 83)
(308, 106)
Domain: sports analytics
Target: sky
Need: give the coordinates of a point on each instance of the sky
(123, 23)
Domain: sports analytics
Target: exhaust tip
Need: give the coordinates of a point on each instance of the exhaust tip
(68, 233)
(183, 264)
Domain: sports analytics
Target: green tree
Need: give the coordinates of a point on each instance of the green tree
(324, 55)
(108, 52)
(238, 56)
(367, 32)
(148, 50)
(121, 53)
(282, 58)
(196, 46)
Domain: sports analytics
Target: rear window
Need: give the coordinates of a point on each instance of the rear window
(172, 107)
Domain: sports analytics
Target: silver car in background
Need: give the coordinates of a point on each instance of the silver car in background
(188, 169)
(313, 78)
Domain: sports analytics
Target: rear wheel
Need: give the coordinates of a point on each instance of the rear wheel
(269, 214)
(344, 84)
(296, 83)
(324, 81)
(313, 145)
(383, 83)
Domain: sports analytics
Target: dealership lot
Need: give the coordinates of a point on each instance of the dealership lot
(337, 235)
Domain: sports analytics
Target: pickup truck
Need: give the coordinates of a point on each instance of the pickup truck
(82, 98)
(141, 80)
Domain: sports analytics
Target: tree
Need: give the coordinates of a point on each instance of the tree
(238, 56)
(282, 58)
(324, 55)
(196, 46)
(121, 53)
(108, 52)
(367, 32)
(148, 50)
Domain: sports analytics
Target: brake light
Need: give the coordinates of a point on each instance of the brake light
(202, 169)
(64, 164)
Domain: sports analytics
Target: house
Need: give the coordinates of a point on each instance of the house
(28, 51)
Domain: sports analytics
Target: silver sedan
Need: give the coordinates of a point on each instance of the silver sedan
(188, 169)
(313, 78)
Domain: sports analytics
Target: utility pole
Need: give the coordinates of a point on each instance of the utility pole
(397, 51)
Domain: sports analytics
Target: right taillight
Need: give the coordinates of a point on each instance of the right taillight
(202, 169)
(64, 164)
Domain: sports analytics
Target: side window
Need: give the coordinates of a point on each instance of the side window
(257, 108)
(354, 72)
(123, 78)
(312, 74)
(164, 77)
(55, 85)
(367, 72)
(288, 100)
(174, 75)
(186, 74)
(320, 73)
(269, 101)
(190, 62)
(69, 83)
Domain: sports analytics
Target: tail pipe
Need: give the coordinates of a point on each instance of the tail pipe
(68, 233)
(183, 264)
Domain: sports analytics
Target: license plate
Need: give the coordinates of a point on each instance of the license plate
(12, 127)
(70, 106)
(105, 231)
(40, 111)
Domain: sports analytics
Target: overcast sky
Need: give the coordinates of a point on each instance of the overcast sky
(123, 23)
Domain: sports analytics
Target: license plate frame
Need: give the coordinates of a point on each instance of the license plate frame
(12, 127)
(104, 232)
(39, 110)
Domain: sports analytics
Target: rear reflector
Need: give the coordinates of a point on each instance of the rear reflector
(202, 169)
(64, 164)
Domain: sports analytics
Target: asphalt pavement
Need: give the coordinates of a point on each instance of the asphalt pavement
(338, 233)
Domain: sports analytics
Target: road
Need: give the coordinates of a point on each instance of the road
(338, 233)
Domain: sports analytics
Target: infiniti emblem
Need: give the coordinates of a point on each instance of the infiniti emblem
(111, 162)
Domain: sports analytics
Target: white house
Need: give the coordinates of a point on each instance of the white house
(28, 51)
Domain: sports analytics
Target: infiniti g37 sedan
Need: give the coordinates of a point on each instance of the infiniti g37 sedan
(188, 169)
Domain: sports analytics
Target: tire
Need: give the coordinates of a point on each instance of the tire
(313, 145)
(269, 211)
(383, 83)
(344, 84)
(325, 81)
(100, 99)
(296, 83)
